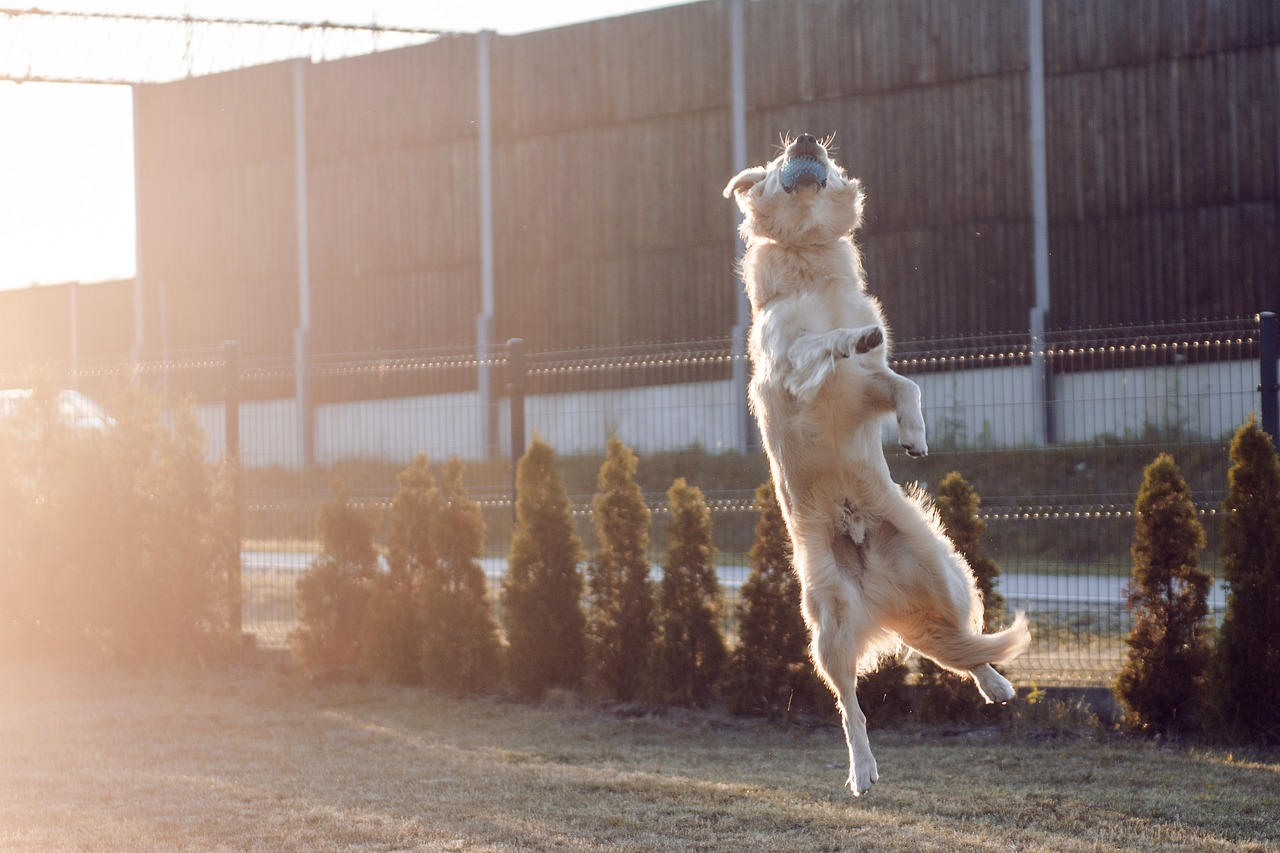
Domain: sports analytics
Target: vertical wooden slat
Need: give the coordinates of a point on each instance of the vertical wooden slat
(612, 141)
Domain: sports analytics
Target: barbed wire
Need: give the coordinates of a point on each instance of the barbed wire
(41, 46)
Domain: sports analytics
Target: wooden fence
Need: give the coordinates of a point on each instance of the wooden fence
(612, 140)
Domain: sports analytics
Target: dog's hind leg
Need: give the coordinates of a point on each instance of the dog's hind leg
(965, 652)
(835, 652)
(993, 686)
(834, 613)
(945, 623)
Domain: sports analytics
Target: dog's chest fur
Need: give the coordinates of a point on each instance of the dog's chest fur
(798, 292)
(824, 283)
(802, 291)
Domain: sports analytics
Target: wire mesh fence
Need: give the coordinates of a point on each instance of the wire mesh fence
(1052, 435)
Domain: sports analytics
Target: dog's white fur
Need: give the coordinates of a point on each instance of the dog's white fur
(874, 564)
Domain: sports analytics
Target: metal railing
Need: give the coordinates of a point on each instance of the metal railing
(1058, 513)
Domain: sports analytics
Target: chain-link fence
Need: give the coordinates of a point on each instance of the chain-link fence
(1053, 436)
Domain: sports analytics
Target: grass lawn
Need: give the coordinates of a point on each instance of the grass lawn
(263, 761)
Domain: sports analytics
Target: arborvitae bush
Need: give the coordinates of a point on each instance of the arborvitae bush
(1161, 679)
(690, 603)
(946, 695)
(770, 673)
(394, 622)
(1245, 681)
(542, 597)
(882, 693)
(17, 573)
(620, 626)
(142, 521)
(958, 505)
(334, 592)
(460, 647)
(114, 545)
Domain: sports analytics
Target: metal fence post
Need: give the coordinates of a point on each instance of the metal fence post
(302, 397)
(1268, 385)
(516, 375)
(231, 409)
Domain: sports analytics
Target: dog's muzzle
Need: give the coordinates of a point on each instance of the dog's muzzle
(802, 171)
(803, 166)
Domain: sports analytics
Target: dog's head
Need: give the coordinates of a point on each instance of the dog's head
(800, 198)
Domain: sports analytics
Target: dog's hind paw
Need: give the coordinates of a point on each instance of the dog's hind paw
(862, 777)
(993, 686)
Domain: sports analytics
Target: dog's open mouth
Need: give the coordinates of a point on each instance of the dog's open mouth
(803, 171)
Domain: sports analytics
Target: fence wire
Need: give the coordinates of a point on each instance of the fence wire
(1057, 504)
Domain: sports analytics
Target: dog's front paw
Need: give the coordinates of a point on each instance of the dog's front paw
(871, 337)
(916, 451)
(911, 437)
(858, 341)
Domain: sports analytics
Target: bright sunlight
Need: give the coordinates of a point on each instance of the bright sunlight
(66, 183)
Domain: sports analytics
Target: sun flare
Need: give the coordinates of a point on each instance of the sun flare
(66, 183)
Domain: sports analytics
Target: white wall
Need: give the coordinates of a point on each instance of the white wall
(988, 408)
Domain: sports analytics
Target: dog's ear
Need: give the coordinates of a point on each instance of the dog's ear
(745, 180)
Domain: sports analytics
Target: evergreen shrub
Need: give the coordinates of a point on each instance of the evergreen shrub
(691, 603)
(770, 673)
(116, 536)
(620, 620)
(542, 596)
(394, 621)
(945, 695)
(334, 592)
(460, 648)
(1245, 674)
(1160, 682)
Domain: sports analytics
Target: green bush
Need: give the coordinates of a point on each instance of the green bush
(115, 540)
(882, 693)
(394, 622)
(460, 650)
(334, 592)
(620, 626)
(946, 696)
(1161, 679)
(542, 597)
(690, 603)
(426, 619)
(770, 673)
(1245, 695)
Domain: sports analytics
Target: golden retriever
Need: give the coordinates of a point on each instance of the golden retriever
(874, 563)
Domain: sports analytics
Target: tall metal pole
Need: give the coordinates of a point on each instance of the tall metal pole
(1268, 384)
(135, 351)
(484, 322)
(301, 335)
(231, 411)
(515, 390)
(1042, 396)
(73, 311)
(743, 432)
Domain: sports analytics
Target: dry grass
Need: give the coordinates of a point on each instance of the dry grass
(257, 761)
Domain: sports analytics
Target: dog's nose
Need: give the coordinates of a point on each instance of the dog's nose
(806, 145)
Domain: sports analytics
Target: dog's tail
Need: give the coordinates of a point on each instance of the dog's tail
(963, 651)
